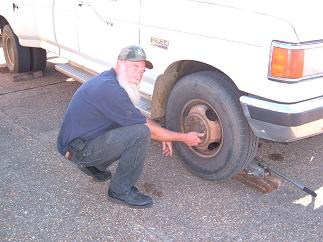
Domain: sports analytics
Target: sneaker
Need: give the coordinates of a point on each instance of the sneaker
(132, 198)
(97, 175)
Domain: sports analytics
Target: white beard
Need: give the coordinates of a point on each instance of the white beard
(131, 89)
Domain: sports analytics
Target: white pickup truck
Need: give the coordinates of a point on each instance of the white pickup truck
(235, 70)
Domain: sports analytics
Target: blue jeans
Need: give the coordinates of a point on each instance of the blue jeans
(129, 145)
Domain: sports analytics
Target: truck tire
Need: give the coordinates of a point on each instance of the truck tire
(207, 102)
(38, 59)
(17, 57)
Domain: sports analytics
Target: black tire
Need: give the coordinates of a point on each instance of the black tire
(38, 59)
(207, 102)
(17, 57)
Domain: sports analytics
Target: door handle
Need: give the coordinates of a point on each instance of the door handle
(15, 7)
(110, 23)
(81, 3)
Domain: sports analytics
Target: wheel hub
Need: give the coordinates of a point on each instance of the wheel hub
(203, 119)
(9, 52)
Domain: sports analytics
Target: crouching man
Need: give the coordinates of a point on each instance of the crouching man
(102, 125)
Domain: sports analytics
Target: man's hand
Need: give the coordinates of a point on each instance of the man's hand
(167, 148)
(193, 138)
(166, 136)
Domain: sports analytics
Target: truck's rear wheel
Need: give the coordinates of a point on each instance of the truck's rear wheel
(17, 57)
(206, 102)
(38, 59)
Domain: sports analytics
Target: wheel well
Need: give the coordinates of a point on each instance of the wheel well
(3, 22)
(167, 80)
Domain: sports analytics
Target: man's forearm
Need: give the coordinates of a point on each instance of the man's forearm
(161, 134)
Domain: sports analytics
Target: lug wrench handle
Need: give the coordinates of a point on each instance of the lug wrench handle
(305, 189)
(309, 191)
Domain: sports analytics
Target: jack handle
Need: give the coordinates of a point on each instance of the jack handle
(267, 168)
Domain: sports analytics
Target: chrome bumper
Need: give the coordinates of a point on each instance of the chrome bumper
(283, 122)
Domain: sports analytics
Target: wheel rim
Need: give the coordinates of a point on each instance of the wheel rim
(9, 51)
(198, 115)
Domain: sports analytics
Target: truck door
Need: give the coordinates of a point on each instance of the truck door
(65, 25)
(105, 27)
(44, 24)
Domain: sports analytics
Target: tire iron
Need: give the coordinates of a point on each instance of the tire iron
(269, 169)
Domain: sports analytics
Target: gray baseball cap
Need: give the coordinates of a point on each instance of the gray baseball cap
(134, 53)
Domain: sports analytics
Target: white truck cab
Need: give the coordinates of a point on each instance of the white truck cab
(235, 70)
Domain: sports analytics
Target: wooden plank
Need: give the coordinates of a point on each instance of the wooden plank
(25, 76)
(266, 184)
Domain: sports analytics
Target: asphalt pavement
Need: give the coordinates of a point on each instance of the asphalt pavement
(43, 197)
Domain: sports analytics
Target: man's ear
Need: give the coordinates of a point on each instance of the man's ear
(117, 67)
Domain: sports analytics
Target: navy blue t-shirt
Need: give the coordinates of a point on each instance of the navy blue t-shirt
(98, 105)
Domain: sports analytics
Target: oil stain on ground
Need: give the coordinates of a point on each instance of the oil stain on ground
(276, 157)
(151, 188)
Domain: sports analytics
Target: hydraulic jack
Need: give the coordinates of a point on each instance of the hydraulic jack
(259, 175)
